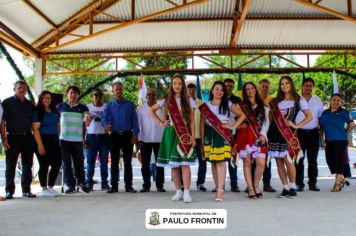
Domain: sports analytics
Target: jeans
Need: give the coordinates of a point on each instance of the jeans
(233, 175)
(97, 143)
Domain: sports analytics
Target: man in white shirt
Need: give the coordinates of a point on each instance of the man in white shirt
(308, 137)
(149, 139)
(97, 141)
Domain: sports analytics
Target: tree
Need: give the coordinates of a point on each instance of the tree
(159, 82)
(59, 83)
(347, 83)
(263, 62)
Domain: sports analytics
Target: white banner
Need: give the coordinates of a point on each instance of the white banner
(186, 219)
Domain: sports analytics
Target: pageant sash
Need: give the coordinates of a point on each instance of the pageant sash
(294, 151)
(184, 146)
(216, 124)
(252, 122)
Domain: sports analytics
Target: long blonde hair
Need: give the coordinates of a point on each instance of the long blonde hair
(186, 110)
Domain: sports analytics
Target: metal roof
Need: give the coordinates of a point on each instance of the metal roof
(274, 24)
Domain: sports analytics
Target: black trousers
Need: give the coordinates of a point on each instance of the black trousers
(72, 152)
(334, 152)
(146, 151)
(120, 142)
(202, 163)
(310, 143)
(24, 145)
(51, 158)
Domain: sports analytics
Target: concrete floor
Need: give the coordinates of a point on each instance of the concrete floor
(98, 213)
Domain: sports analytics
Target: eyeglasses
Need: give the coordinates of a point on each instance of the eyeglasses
(98, 94)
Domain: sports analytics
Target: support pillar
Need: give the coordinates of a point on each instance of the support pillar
(38, 77)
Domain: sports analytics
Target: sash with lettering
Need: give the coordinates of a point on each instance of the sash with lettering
(184, 146)
(294, 151)
(217, 125)
(256, 128)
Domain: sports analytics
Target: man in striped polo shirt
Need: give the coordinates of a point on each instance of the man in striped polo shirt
(73, 116)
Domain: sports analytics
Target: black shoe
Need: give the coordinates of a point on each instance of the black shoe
(113, 190)
(144, 190)
(89, 186)
(283, 194)
(130, 190)
(105, 187)
(292, 193)
(9, 196)
(269, 189)
(246, 190)
(347, 183)
(300, 188)
(235, 189)
(314, 188)
(29, 195)
(70, 190)
(201, 187)
(84, 188)
(162, 190)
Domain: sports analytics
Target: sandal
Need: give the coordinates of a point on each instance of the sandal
(252, 196)
(219, 200)
(2, 199)
(336, 188)
(342, 185)
(258, 192)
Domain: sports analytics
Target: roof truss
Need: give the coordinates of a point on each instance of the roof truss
(315, 5)
(118, 26)
(248, 62)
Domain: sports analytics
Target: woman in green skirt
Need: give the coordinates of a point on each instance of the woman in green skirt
(216, 138)
(176, 149)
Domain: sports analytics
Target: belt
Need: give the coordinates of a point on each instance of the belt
(122, 132)
(310, 130)
(97, 134)
(19, 133)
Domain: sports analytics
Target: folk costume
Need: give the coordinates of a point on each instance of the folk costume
(218, 140)
(283, 140)
(247, 138)
(176, 148)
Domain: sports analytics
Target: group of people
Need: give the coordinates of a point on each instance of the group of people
(178, 129)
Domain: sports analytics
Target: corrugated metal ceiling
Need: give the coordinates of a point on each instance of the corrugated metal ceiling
(181, 35)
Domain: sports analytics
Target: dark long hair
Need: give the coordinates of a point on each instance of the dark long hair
(224, 105)
(40, 108)
(186, 110)
(280, 94)
(335, 95)
(260, 104)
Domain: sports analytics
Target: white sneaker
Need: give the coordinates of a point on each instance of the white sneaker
(54, 192)
(186, 197)
(47, 193)
(178, 196)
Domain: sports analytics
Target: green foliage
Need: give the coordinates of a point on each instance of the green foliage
(347, 84)
(59, 83)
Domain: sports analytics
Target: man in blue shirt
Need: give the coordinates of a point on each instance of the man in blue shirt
(120, 118)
